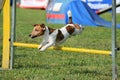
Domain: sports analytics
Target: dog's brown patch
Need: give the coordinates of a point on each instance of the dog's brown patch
(51, 30)
(70, 29)
(60, 36)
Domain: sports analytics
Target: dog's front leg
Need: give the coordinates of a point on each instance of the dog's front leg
(40, 46)
(46, 46)
(50, 42)
(44, 42)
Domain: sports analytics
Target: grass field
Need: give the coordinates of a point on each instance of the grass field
(31, 64)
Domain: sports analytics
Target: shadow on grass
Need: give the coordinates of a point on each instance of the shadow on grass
(84, 72)
(0, 60)
(27, 66)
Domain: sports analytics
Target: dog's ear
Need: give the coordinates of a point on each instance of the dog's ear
(35, 25)
(43, 26)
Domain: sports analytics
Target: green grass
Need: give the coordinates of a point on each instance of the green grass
(31, 64)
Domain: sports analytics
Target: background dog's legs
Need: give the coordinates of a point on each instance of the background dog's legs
(70, 17)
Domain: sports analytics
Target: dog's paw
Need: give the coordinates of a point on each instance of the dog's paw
(39, 47)
(42, 49)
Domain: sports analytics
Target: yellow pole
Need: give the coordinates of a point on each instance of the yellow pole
(65, 48)
(6, 35)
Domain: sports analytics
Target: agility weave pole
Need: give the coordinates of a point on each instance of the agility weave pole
(92, 51)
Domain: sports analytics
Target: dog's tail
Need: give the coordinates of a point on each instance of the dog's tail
(70, 17)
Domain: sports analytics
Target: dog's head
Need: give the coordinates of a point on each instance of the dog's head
(38, 30)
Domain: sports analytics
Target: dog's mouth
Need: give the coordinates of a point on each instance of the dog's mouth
(32, 36)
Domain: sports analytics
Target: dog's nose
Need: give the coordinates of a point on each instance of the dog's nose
(29, 35)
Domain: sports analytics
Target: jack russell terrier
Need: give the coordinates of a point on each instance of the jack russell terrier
(54, 37)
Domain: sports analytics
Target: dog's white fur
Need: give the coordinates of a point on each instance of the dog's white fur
(49, 39)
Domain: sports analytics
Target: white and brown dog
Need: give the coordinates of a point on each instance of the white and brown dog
(54, 37)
